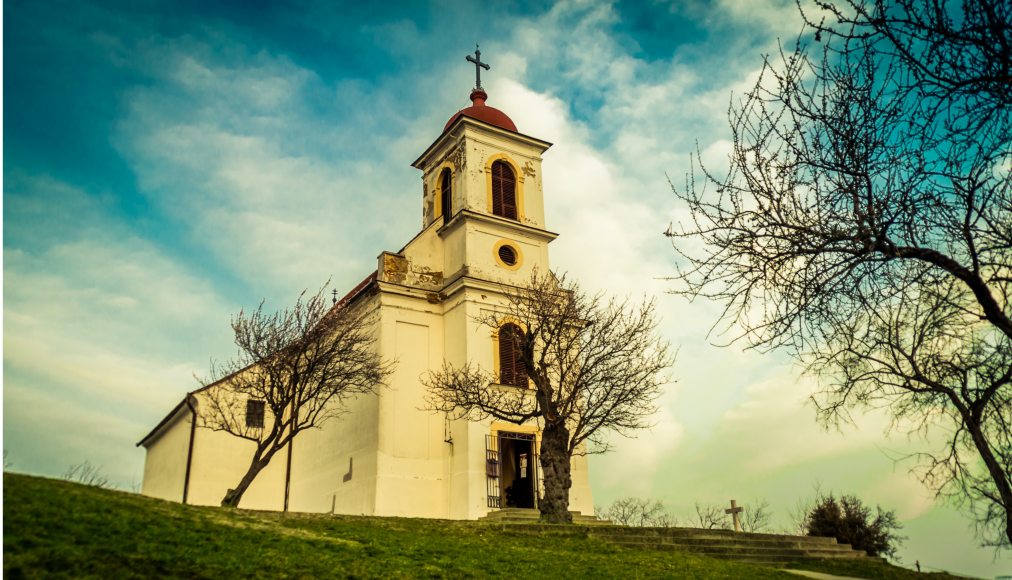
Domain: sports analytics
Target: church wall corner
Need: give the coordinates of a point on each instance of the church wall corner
(165, 460)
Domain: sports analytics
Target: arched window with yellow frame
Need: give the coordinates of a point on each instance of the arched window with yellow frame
(446, 194)
(504, 190)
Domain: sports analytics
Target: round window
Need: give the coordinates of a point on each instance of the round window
(508, 255)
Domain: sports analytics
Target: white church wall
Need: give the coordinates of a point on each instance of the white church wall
(454, 249)
(580, 497)
(334, 466)
(412, 452)
(483, 242)
(458, 467)
(480, 351)
(219, 462)
(486, 145)
(165, 461)
(476, 497)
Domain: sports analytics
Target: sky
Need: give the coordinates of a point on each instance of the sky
(166, 164)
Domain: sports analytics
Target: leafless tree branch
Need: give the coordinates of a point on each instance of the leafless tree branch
(865, 225)
(594, 365)
(636, 511)
(302, 363)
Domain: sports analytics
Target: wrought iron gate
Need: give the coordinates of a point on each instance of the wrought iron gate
(492, 468)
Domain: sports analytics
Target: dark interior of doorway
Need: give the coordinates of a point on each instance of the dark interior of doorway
(517, 472)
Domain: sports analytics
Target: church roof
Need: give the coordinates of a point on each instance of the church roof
(348, 298)
(482, 112)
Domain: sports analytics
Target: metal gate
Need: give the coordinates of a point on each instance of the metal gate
(494, 462)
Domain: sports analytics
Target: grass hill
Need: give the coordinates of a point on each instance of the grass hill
(57, 528)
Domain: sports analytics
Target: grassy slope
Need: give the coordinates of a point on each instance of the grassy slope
(57, 528)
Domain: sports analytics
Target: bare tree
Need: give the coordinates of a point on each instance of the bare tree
(711, 517)
(866, 226)
(587, 365)
(756, 516)
(637, 511)
(87, 474)
(799, 513)
(294, 370)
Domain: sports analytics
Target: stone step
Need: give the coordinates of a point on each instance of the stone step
(775, 550)
(712, 534)
(610, 532)
(722, 542)
(532, 516)
(612, 529)
(746, 550)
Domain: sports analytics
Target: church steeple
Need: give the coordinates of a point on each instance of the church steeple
(482, 168)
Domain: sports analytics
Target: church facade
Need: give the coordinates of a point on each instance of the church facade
(483, 226)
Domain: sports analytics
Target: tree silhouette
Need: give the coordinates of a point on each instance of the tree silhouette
(294, 370)
(592, 365)
(865, 225)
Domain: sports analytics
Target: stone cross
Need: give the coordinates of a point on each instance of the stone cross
(734, 511)
(478, 65)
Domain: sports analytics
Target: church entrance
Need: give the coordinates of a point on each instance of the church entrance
(511, 467)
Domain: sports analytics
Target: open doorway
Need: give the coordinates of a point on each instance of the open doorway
(518, 470)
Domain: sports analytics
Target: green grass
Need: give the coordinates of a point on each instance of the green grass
(61, 529)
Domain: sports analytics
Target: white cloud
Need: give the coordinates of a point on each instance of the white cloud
(268, 187)
(102, 332)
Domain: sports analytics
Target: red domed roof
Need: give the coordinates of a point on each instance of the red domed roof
(479, 110)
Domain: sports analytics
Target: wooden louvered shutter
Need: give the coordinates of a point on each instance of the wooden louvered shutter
(506, 355)
(512, 370)
(504, 198)
(519, 368)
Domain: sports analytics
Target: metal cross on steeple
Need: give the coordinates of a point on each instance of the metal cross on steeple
(478, 65)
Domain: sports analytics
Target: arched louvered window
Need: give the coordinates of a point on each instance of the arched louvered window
(504, 190)
(445, 195)
(512, 370)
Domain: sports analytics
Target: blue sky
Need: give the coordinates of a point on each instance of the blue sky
(168, 163)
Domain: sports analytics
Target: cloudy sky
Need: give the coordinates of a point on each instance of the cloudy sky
(168, 163)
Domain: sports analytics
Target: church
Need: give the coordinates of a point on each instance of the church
(483, 227)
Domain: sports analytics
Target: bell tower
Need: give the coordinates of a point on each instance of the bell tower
(482, 191)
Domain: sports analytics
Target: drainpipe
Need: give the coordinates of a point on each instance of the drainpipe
(288, 474)
(189, 451)
(288, 466)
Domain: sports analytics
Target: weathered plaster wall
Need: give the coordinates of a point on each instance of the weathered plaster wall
(219, 462)
(165, 462)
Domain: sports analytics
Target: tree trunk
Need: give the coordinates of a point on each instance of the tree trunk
(555, 466)
(998, 475)
(233, 496)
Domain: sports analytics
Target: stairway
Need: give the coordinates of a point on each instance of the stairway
(762, 549)
(533, 516)
(767, 549)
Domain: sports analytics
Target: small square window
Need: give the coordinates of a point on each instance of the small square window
(255, 414)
